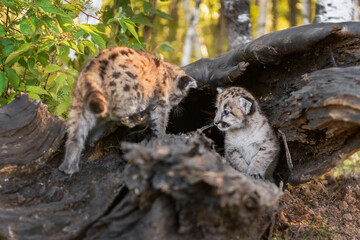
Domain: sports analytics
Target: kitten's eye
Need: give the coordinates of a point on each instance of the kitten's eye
(226, 112)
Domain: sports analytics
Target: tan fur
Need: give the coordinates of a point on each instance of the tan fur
(251, 145)
(116, 84)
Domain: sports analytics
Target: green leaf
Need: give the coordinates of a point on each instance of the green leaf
(166, 47)
(141, 19)
(98, 40)
(66, 23)
(34, 96)
(36, 90)
(27, 25)
(8, 50)
(2, 30)
(52, 68)
(131, 27)
(3, 82)
(3, 101)
(112, 20)
(25, 47)
(13, 77)
(62, 107)
(31, 63)
(148, 8)
(60, 81)
(90, 45)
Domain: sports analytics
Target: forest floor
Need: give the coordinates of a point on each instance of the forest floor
(328, 208)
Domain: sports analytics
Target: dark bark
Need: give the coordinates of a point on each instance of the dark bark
(300, 98)
(275, 15)
(292, 12)
(306, 80)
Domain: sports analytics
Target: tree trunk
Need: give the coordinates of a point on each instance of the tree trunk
(292, 12)
(263, 8)
(189, 38)
(237, 19)
(336, 11)
(173, 23)
(275, 15)
(306, 12)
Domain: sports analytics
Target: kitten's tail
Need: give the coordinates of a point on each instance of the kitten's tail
(95, 99)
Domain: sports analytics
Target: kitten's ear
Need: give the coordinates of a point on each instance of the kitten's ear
(245, 105)
(186, 82)
(219, 90)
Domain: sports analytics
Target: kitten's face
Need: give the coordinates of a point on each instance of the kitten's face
(181, 86)
(231, 111)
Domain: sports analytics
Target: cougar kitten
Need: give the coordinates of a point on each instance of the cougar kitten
(117, 84)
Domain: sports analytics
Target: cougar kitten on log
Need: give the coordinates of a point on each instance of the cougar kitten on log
(117, 84)
(251, 145)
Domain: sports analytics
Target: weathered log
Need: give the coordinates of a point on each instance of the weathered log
(28, 131)
(172, 188)
(178, 187)
(317, 110)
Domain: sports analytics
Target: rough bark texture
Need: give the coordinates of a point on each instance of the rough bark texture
(237, 18)
(306, 80)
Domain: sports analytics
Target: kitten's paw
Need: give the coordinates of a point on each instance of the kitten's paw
(68, 169)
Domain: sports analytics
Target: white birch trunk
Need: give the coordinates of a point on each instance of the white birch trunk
(306, 13)
(191, 31)
(336, 11)
(262, 18)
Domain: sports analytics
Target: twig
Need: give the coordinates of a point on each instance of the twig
(87, 15)
(200, 130)
(287, 151)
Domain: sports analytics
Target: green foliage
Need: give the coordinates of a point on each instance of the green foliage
(36, 38)
(349, 166)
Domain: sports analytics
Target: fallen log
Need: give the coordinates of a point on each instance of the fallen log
(306, 80)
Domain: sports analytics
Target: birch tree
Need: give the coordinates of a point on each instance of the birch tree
(191, 32)
(336, 11)
(306, 10)
(262, 18)
(237, 19)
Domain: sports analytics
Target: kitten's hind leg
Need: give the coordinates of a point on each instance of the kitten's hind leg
(79, 127)
(159, 119)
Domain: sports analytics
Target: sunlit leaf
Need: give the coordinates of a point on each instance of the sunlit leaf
(62, 107)
(52, 68)
(36, 90)
(25, 47)
(60, 81)
(131, 27)
(98, 40)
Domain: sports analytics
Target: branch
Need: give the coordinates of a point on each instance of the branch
(87, 15)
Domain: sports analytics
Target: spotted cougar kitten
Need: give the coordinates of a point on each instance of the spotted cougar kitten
(117, 84)
(251, 145)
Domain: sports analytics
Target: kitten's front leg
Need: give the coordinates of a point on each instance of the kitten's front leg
(79, 126)
(261, 162)
(159, 119)
(236, 161)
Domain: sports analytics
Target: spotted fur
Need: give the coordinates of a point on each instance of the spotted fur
(117, 84)
(251, 145)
